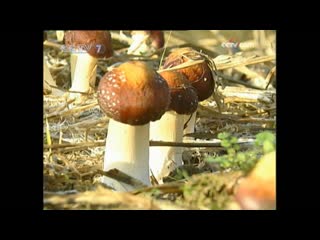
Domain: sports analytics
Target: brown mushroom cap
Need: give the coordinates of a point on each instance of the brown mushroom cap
(184, 99)
(199, 75)
(96, 43)
(133, 93)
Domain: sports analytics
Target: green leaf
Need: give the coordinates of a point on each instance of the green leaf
(223, 135)
(236, 147)
(213, 159)
(233, 140)
(268, 147)
(225, 143)
(265, 136)
(231, 151)
(241, 157)
(226, 164)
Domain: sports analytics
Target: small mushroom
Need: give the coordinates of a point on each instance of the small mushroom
(146, 42)
(86, 47)
(132, 95)
(60, 35)
(184, 100)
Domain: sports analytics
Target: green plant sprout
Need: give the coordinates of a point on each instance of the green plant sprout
(243, 160)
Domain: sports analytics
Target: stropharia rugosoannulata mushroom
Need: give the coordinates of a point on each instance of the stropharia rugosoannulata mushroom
(184, 100)
(132, 95)
(86, 47)
(146, 42)
(200, 76)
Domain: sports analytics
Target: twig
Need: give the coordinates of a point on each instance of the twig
(231, 79)
(183, 65)
(52, 44)
(268, 78)
(222, 66)
(247, 94)
(60, 193)
(217, 115)
(182, 144)
(257, 120)
(71, 111)
(172, 187)
(71, 147)
(222, 63)
(122, 177)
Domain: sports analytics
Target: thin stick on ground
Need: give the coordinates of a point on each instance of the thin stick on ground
(270, 74)
(248, 61)
(72, 147)
(52, 44)
(122, 177)
(172, 187)
(71, 111)
(234, 62)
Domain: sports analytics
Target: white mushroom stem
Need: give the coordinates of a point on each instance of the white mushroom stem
(60, 35)
(127, 149)
(190, 125)
(84, 72)
(138, 44)
(73, 62)
(163, 160)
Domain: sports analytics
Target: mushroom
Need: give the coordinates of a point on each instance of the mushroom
(258, 190)
(184, 100)
(86, 47)
(132, 95)
(200, 76)
(146, 42)
(60, 35)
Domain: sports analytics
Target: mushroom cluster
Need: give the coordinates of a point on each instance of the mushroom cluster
(143, 104)
(132, 95)
(200, 75)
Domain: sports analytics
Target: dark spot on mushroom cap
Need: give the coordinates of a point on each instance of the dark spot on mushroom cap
(133, 93)
(199, 75)
(97, 43)
(184, 99)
